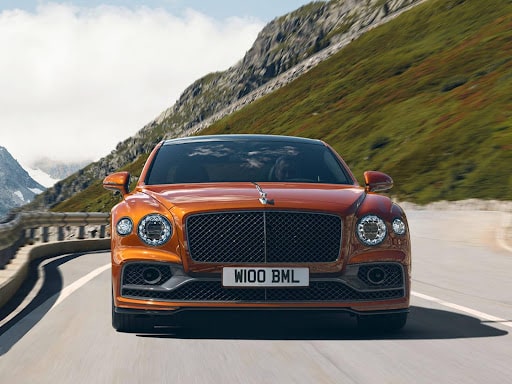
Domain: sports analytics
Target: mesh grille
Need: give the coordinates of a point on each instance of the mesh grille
(264, 237)
(212, 291)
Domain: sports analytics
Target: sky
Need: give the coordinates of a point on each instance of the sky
(79, 76)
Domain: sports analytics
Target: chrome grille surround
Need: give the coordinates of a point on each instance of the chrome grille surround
(264, 237)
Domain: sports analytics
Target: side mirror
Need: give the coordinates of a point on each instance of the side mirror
(377, 181)
(118, 181)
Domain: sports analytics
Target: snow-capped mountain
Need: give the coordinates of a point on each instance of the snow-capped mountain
(48, 172)
(17, 187)
(40, 176)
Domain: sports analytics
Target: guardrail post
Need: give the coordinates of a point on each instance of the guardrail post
(60, 235)
(5, 256)
(23, 237)
(60, 228)
(46, 234)
(81, 232)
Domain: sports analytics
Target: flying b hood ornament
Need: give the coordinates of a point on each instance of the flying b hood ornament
(263, 196)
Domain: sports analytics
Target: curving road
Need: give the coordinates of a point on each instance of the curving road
(57, 329)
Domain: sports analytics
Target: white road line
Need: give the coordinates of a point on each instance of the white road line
(91, 275)
(78, 284)
(461, 308)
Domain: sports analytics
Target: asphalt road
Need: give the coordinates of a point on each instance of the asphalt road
(58, 329)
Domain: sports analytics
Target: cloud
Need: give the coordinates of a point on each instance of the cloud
(76, 81)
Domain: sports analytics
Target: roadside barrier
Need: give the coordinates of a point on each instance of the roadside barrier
(31, 235)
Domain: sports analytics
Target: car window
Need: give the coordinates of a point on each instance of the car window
(246, 161)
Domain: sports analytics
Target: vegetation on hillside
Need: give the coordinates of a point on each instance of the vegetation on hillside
(95, 198)
(426, 98)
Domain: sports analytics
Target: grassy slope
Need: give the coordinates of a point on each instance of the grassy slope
(96, 198)
(426, 98)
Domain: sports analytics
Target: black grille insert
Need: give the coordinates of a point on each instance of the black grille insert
(264, 237)
(212, 291)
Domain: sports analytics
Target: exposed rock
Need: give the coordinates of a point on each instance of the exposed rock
(285, 49)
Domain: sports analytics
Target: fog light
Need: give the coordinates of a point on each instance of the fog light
(151, 275)
(376, 275)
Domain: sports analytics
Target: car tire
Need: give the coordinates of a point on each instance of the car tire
(382, 323)
(122, 322)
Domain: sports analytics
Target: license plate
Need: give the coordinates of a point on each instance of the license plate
(265, 277)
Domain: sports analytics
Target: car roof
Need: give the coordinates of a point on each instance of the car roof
(242, 137)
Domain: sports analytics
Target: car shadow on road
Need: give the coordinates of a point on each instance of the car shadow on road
(423, 324)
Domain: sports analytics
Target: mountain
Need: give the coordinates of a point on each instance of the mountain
(285, 49)
(17, 188)
(40, 176)
(48, 172)
(424, 96)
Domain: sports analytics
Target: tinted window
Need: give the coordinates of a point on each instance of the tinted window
(245, 161)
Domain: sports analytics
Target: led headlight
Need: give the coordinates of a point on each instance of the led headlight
(124, 226)
(154, 229)
(371, 230)
(398, 227)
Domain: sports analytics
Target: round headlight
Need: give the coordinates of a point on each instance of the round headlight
(371, 230)
(398, 227)
(124, 226)
(154, 229)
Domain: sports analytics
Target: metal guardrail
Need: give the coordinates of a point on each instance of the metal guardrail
(32, 227)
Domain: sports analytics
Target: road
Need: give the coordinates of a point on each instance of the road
(58, 329)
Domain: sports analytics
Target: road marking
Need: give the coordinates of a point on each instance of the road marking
(461, 308)
(77, 284)
(91, 275)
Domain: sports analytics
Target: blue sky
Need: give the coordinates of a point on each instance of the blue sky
(81, 76)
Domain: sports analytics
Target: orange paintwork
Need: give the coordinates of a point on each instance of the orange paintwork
(377, 181)
(177, 201)
(117, 182)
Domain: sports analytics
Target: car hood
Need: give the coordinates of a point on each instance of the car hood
(342, 199)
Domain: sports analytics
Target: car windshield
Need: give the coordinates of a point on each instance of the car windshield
(246, 161)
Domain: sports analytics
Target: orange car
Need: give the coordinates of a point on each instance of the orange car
(262, 222)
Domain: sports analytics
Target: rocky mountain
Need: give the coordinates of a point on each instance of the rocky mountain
(286, 48)
(17, 188)
(48, 172)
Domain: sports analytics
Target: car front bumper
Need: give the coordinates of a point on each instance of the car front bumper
(350, 291)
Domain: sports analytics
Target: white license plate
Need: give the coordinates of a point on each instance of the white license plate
(265, 277)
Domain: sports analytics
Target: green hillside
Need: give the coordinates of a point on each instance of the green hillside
(426, 98)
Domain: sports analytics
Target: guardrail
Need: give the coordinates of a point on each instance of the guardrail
(32, 227)
(28, 236)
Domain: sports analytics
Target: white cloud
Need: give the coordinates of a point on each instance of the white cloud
(76, 81)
